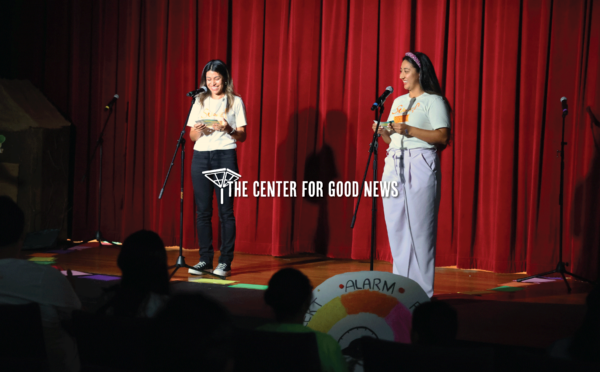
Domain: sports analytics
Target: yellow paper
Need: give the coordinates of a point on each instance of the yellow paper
(212, 281)
(42, 259)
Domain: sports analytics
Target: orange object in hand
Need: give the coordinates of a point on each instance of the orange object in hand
(401, 119)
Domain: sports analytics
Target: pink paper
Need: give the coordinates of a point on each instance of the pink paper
(537, 280)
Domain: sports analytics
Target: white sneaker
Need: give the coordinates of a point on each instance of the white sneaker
(222, 269)
(199, 268)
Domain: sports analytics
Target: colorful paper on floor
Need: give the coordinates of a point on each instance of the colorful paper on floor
(59, 251)
(94, 244)
(250, 286)
(43, 254)
(80, 247)
(212, 281)
(75, 273)
(42, 259)
(516, 284)
(104, 278)
(507, 289)
(44, 262)
(476, 293)
(538, 280)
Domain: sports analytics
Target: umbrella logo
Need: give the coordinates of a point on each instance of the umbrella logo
(222, 178)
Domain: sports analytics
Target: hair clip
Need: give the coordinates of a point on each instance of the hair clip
(414, 58)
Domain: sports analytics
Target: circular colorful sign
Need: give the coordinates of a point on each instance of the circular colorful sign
(366, 303)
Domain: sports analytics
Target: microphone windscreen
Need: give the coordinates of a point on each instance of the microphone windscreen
(116, 96)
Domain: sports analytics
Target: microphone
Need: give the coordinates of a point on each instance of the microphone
(111, 103)
(193, 93)
(382, 98)
(564, 106)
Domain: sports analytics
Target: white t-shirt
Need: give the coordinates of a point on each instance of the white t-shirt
(23, 282)
(215, 109)
(428, 112)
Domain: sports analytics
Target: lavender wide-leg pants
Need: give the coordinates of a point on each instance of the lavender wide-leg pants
(411, 217)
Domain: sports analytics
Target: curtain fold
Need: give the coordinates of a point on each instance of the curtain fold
(308, 72)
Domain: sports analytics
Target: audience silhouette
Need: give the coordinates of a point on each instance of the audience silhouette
(434, 323)
(289, 295)
(586, 341)
(193, 332)
(584, 345)
(23, 282)
(144, 286)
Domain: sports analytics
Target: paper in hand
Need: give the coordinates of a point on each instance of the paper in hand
(209, 125)
(387, 125)
(208, 122)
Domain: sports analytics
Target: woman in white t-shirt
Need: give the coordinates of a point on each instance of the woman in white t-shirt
(420, 124)
(214, 149)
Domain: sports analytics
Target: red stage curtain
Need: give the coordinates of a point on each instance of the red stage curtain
(308, 72)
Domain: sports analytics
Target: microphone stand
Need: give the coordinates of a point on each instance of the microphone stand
(561, 267)
(99, 144)
(181, 143)
(373, 147)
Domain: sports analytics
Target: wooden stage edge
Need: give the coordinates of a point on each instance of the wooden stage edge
(532, 317)
(258, 269)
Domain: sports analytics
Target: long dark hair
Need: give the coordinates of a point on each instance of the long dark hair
(427, 77)
(220, 67)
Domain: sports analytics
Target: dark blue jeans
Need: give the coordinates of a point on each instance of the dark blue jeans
(203, 194)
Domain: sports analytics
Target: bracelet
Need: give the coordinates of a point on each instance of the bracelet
(232, 131)
(406, 132)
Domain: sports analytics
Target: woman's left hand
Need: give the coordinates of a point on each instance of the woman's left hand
(224, 126)
(402, 128)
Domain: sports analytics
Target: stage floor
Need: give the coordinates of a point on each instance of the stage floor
(533, 317)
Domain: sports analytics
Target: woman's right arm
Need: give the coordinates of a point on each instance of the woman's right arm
(196, 131)
(195, 134)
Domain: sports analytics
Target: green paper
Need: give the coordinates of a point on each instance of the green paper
(42, 259)
(507, 289)
(213, 281)
(250, 286)
(44, 262)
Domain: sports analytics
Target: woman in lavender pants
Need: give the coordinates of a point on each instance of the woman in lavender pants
(420, 124)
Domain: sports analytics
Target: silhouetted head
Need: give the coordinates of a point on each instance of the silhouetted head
(12, 223)
(289, 295)
(194, 332)
(143, 262)
(434, 323)
(586, 341)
